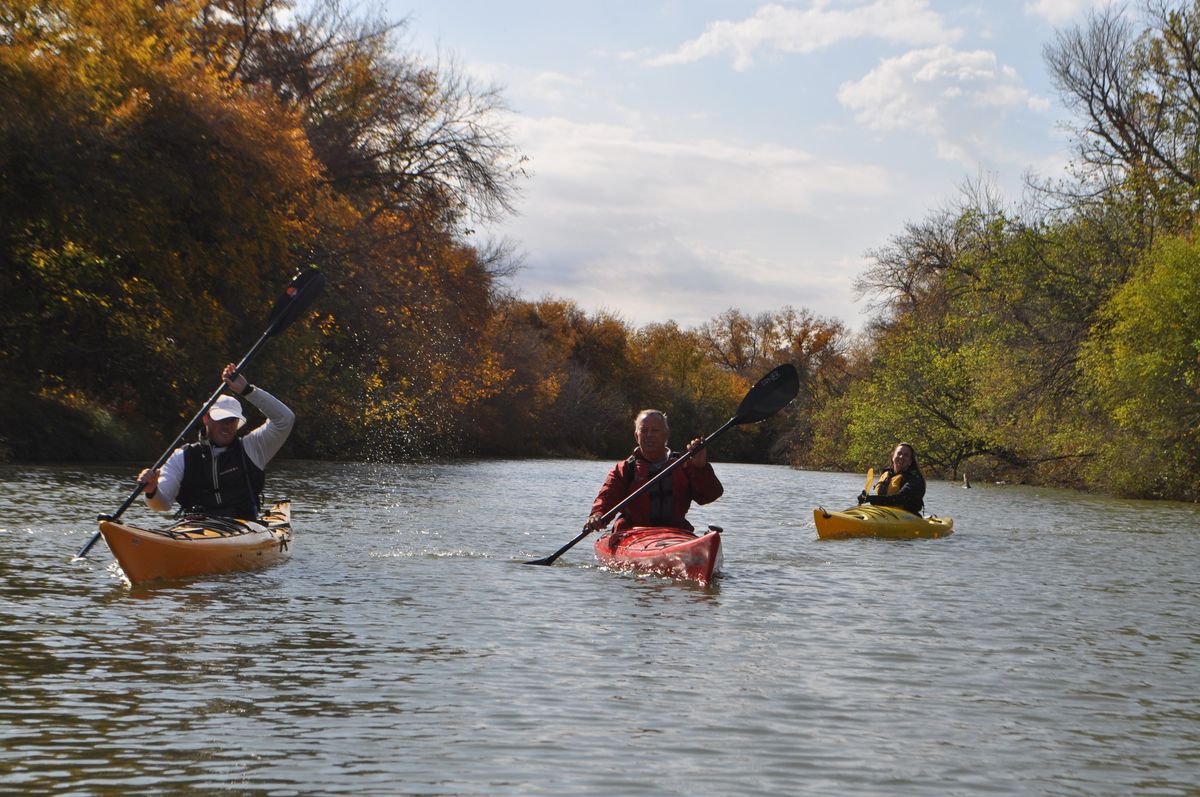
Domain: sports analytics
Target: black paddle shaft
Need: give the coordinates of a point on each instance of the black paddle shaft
(298, 296)
(768, 396)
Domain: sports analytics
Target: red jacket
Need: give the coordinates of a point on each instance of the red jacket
(686, 483)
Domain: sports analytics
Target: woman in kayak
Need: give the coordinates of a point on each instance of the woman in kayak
(901, 484)
(223, 474)
(666, 503)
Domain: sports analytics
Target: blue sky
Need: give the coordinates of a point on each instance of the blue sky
(691, 156)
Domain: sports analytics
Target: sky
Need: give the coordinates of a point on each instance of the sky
(687, 157)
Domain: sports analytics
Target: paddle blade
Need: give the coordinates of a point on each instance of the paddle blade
(295, 300)
(549, 560)
(870, 478)
(769, 395)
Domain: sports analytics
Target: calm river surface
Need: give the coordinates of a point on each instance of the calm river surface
(1051, 646)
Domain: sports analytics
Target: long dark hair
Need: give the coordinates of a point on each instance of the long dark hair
(913, 466)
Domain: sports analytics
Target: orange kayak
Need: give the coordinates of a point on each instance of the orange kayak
(675, 553)
(200, 545)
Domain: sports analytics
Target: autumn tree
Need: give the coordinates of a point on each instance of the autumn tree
(139, 199)
(416, 152)
(820, 349)
(390, 129)
(740, 343)
(166, 167)
(566, 380)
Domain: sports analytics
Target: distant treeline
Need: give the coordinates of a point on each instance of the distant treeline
(165, 168)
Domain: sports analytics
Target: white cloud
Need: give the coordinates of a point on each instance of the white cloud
(552, 87)
(1060, 11)
(652, 227)
(806, 30)
(959, 98)
(680, 193)
(648, 173)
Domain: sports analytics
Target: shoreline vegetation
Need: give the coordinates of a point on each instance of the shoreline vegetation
(164, 168)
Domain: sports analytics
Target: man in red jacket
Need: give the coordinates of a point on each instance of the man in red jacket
(666, 503)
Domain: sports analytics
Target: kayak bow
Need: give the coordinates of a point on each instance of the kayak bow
(662, 551)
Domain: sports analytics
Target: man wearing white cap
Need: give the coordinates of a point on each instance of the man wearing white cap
(223, 474)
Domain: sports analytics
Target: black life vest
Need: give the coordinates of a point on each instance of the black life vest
(230, 487)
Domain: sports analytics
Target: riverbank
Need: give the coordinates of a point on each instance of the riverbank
(43, 430)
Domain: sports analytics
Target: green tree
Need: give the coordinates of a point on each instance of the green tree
(920, 391)
(1007, 300)
(1143, 365)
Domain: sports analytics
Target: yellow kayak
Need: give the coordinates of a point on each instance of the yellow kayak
(887, 522)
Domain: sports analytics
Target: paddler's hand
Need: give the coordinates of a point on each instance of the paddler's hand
(700, 458)
(149, 481)
(863, 498)
(236, 383)
(594, 522)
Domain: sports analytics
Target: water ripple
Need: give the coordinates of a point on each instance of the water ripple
(404, 649)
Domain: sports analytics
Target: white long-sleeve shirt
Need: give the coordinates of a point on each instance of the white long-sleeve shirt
(261, 446)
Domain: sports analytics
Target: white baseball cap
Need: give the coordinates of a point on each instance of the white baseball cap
(227, 407)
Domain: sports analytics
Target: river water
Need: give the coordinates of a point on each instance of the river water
(1051, 646)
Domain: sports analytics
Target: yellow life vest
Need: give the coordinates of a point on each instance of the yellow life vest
(890, 486)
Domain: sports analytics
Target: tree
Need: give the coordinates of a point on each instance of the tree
(392, 131)
(818, 347)
(1143, 366)
(738, 342)
(165, 167)
(413, 152)
(1138, 100)
(567, 377)
(139, 197)
(921, 390)
(697, 393)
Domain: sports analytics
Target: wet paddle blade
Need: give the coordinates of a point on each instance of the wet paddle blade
(549, 560)
(295, 300)
(769, 395)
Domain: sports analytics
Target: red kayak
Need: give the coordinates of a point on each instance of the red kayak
(663, 552)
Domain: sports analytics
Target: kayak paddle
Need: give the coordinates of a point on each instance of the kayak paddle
(870, 478)
(299, 295)
(768, 396)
